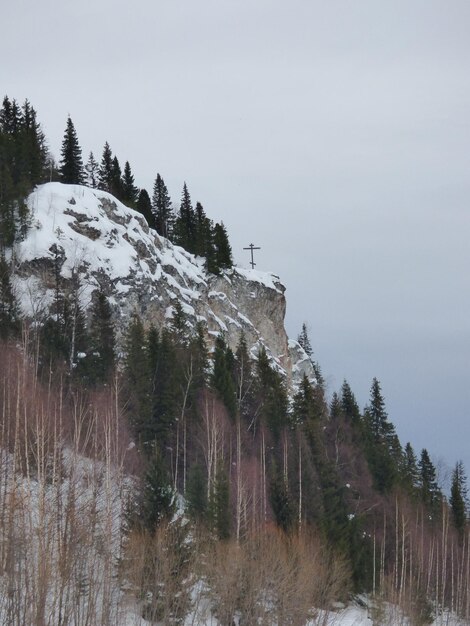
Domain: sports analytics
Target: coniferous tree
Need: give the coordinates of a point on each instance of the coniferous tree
(144, 207)
(102, 338)
(280, 499)
(130, 193)
(137, 380)
(116, 179)
(270, 395)
(219, 505)
(429, 489)
(458, 497)
(304, 340)
(71, 164)
(179, 324)
(9, 310)
(223, 250)
(243, 376)
(105, 171)
(349, 405)
(162, 208)
(92, 172)
(165, 387)
(381, 443)
(306, 406)
(196, 494)
(409, 470)
(32, 149)
(185, 227)
(221, 379)
(157, 499)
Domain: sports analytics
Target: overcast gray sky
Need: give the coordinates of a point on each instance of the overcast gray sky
(333, 134)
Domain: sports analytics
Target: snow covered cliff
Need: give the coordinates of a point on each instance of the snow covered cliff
(94, 241)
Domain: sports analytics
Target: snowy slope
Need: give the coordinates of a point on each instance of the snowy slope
(97, 242)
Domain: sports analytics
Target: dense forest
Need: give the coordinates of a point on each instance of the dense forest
(274, 499)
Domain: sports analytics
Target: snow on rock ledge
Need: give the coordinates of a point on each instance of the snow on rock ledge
(98, 242)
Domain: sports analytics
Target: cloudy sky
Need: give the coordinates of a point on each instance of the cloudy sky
(334, 134)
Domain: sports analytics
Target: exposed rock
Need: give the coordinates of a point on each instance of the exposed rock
(109, 246)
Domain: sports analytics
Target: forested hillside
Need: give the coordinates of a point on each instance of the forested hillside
(157, 461)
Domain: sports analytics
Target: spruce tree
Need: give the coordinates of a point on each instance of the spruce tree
(243, 376)
(9, 310)
(137, 380)
(458, 497)
(221, 379)
(185, 226)
(196, 493)
(71, 164)
(304, 340)
(223, 250)
(270, 395)
(130, 193)
(409, 469)
(306, 408)
(92, 172)
(349, 405)
(116, 179)
(429, 489)
(219, 505)
(144, 207)
(382, 447)
(157, 499)
(162, 208)
(102, 337)
(105, 171)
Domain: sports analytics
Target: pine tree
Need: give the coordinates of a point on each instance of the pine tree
(162, 208)
(92, 172)
(130, 193)
(71, 164)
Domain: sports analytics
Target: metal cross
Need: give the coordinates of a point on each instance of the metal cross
(252, 247)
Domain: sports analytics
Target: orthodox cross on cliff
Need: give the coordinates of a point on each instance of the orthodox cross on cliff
(251, 247)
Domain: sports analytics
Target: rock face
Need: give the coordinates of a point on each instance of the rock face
(93, 241)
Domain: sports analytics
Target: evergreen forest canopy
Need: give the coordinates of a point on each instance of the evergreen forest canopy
(220, 428)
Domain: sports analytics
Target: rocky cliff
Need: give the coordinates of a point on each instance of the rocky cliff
(93, 241)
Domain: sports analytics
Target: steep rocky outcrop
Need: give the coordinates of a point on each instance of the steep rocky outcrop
(93, 241)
